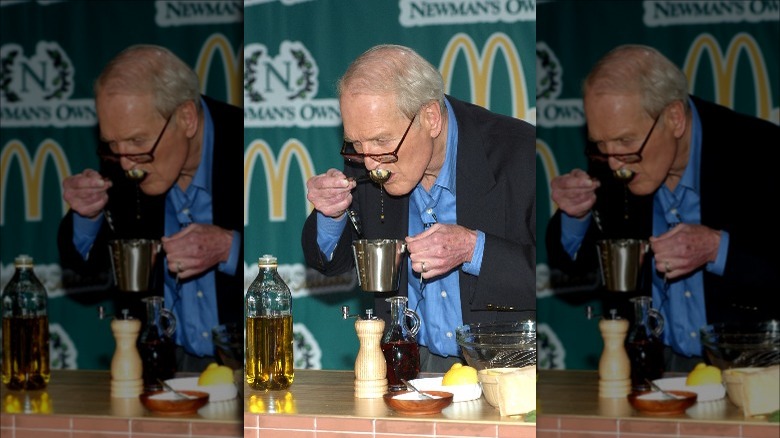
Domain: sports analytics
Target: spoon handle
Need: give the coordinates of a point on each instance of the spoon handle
(658, 388)
(170, 388)
(413, 388)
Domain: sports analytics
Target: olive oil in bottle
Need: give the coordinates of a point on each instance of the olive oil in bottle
(269, 329)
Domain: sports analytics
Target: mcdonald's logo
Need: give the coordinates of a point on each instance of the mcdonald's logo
(481, 68)
(724, 69)
(32, 175)
(218, 43)
(276, 174)
(546, 155)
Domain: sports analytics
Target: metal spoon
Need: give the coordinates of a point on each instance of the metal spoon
(379, 176)
(177, 393)
(135, 173)
(623, 174)
(665, 393)
(412, 387)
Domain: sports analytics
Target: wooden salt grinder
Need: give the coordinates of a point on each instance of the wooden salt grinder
(370, 366)
(614, 366)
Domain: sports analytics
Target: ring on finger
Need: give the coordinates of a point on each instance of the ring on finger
(423, 267)
(179, 267)
(667, 267)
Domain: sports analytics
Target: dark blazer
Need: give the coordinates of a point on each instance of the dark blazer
(496, 193)
(137, 215)
(736, 187)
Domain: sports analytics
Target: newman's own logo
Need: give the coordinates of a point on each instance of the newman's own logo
(672, 13)
(35, 90)
(724, 70)
(279, 91)
(553, 111)
(480, 68)
(182, 13)
(433, 12)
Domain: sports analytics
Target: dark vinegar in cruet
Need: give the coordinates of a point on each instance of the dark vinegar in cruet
(647, 361)
(403, 362)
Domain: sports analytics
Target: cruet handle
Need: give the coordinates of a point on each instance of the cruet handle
(659, 321)
(415, 321)
(170, 327)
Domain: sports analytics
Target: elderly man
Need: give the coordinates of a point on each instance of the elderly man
(461, 192)
(684, 173)
(169, 157)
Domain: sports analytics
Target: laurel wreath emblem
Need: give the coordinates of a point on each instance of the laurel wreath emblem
(61, 80)
(5, 76)
(304, 83)
(548, 83)
(250, 77)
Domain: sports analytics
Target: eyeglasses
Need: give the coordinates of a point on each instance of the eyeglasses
(635, 157)
(349, 152)
(142, 158)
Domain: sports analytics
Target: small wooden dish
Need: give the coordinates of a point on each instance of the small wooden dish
(167, 403)
(659, 405)
(424, 406)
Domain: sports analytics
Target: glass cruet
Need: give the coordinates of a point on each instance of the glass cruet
(402, 354)
(643, 345)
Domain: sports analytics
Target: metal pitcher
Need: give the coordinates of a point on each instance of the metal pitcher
(621, 262)
(378, 263)
(132, 262)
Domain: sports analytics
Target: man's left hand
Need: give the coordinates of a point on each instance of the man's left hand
(196, 249)
(442, 248)
(684, 248)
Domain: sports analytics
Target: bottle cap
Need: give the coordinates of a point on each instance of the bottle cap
(23, 261)
(266, 260)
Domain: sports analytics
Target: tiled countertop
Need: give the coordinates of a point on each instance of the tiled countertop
(568, 405)
(322, 404)
(78, 403)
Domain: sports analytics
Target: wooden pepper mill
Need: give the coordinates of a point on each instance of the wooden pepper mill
(126, 365)
(614, 366)
(370, 365)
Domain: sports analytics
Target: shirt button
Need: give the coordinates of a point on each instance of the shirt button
(693, 334)
(449, 334)
(687, 294)
(429, 211)
(444, 294)
(205, 334)
(200, 294)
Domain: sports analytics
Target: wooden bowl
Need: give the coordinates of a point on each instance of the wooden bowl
(167, 403)
(654, 403)
(397, 401)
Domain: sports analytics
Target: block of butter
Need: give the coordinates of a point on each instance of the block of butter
(517, 391)
(761, 391)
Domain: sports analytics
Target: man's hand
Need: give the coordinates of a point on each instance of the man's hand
(330, 192)
(575, 192)
(684, 248)
(442, 248)
(86, 192)
(196, 249)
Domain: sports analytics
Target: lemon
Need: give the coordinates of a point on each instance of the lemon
(703, 374)
(459, 374)
(215, 374)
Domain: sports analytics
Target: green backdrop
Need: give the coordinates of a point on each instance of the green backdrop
(728, 50)
(50, 54)
(294, 53)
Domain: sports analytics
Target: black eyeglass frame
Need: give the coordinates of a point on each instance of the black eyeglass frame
(140, 158)
(384, 158)
(630, 158)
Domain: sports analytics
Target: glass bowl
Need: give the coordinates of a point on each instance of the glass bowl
(508, 344)
(739, 345)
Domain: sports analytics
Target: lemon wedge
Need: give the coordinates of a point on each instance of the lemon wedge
(215, 374)
(703, 374)
(459, 374)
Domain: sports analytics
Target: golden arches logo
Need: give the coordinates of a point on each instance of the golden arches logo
(32, 174)
(550, 166)
(481, 69)
(276, 174)
(217, 43)
(725, 69)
